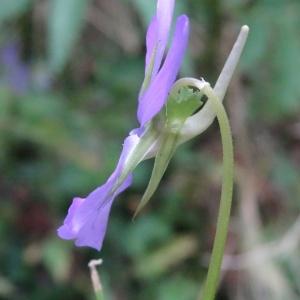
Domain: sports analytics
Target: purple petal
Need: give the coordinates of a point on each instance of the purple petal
(151, 102)
(87, 218)
(151, 40)
(129, 144)
(69, 229)
(10, 54)
(17, 73)
(157, 34)
(93, 231)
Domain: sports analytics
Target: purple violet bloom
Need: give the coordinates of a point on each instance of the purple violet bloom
(16, 72)
(87, 218)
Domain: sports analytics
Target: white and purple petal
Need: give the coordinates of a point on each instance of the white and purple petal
(153, 99)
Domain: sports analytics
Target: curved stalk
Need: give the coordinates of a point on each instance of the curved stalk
(214, 106)
(214, 269)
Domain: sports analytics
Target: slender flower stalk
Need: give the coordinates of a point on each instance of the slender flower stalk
(213, 275)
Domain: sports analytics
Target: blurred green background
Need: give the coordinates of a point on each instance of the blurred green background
(70, 72)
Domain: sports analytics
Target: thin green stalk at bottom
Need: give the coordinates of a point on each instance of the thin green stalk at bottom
(99, 296)
(213, 275)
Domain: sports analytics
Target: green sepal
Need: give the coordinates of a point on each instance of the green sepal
(167, 147)
(182, 104)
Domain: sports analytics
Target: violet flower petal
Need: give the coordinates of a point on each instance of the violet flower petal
(151, 41)
(158, 33)
(87, 218)
(69, 229)
(93, 230)
(151, 102)
(16, 72)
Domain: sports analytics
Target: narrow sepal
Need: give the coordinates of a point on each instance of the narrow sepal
(165, 152)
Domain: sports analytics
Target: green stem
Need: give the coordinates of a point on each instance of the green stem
(99, 296)
(215, 107)
(214, 269)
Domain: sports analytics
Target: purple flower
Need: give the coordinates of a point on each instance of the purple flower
(87, 218)
(16, 72)
(153, 99)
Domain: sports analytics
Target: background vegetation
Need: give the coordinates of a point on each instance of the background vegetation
(70, 73)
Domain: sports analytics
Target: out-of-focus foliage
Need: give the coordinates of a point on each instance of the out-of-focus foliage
(70, 72)
(273, 48)
(13, 8)
(66, 19)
